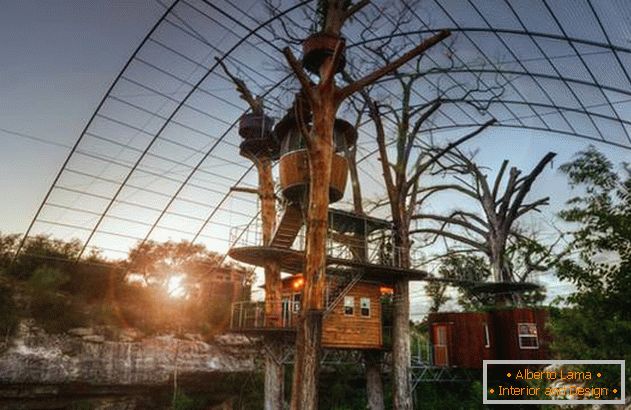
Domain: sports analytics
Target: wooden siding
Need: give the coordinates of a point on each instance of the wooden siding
(506, 322)
(465, 336)
(465, 339)
(356, 331)
(294, 175)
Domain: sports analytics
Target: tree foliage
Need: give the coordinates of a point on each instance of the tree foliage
(61, 292)
(597, 324)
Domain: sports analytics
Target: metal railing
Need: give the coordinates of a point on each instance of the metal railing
(375, 249)
(254, 315)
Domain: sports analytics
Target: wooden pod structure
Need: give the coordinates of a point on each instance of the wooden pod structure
(294, 163)
(316, 48)
(254, 126)
(294, 175)
(258, 138)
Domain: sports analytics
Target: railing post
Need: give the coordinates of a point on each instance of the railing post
(241, 316)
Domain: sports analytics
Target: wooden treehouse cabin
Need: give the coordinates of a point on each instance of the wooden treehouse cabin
(464, 339)
(362, 263)
(361, 268)
(355, 322)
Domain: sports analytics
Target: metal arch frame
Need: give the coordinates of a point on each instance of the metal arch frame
(499, 124)
(92, 117)
(532, 35)
(587, 67)
(163, 127)
(536, 75)
(168, 120)
(524, 32)
(482, 54)
(608, 46)
(559, 77)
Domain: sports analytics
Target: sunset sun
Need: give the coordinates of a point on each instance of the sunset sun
(175, 286)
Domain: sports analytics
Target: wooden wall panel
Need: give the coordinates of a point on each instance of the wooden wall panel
(351, 332)
(355, 331)
(466, 336)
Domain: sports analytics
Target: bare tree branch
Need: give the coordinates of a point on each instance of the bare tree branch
(343, 93)
(302, 77)
(255, 103)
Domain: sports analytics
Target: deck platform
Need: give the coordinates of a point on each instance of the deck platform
(293, 261)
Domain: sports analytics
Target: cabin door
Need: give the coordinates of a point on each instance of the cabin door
(441, 353)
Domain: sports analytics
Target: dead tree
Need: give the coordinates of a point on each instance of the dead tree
(490, 232)
(401, 178)
(402, 174)
(324, 98)
(262, 158)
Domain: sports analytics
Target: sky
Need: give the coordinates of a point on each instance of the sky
(59, 58)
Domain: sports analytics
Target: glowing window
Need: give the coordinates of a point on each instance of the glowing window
(349, 305)
(528, 338)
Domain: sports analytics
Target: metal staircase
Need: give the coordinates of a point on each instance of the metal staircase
(288, 227)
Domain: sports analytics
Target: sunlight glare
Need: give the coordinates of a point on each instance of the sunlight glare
(175, 287)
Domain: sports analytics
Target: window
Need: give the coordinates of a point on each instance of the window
(527, 333)
(364, 307)
(349, 305)
(296, 304)
(487, 340)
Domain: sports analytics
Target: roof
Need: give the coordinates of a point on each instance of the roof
(351, 222)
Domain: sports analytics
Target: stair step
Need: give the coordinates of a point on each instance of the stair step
(288, 227)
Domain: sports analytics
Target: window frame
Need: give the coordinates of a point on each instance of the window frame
(296, 300)
(486, 336)
(534, 336)
(361, 308)
(352, 306)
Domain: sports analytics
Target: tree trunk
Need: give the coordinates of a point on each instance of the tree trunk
(274, 377)
(402, 393)
(268, 222)
(308, 339)
(372, 359)
(374, 384)
(307, 364)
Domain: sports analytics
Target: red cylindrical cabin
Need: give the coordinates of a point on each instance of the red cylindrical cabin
(464, 339)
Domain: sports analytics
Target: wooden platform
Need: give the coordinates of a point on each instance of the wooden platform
(292, 261)
(505, 287)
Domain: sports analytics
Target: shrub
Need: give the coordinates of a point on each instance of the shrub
(8, 313)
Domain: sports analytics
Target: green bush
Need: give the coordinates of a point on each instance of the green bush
(45, 278)
(56, 313)
(8, 313)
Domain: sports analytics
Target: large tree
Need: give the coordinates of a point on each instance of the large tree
(324, 99)
(274, 371)
(493, 231)
(403, 164)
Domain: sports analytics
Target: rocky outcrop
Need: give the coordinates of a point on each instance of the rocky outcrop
(85, 356)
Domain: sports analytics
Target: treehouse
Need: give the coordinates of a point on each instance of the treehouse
(464, 339)
(352, 321)
(257, 136)
(362, 265)
(294, 165)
